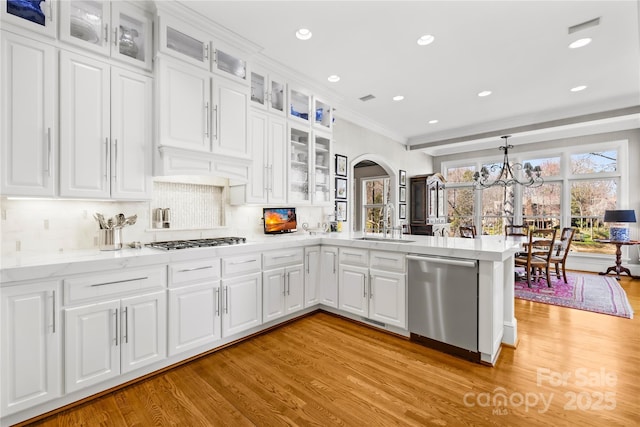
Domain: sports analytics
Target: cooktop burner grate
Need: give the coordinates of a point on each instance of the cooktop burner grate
(197, 243)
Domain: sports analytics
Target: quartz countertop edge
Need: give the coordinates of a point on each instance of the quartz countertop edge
(31, 266)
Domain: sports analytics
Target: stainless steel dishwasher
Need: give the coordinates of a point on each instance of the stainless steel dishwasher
(443, 304)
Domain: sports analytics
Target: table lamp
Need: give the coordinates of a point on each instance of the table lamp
(619, 223)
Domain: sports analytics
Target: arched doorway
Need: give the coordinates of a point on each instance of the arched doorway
(374, 184)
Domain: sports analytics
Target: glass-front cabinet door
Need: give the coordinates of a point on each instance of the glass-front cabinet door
(268, 91)
(299, 150)
(34, 15)
(86, 23)
(322, 169)
(322, 114)
(299, 105)
(184, 41)
(230, 64)
(132, 34)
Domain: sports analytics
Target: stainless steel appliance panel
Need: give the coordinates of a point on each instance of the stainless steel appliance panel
(443, 300)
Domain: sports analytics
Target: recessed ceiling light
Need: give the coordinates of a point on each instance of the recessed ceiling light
(433, 122)
(580, 43)
(398, 98)
(426, 39)
(484, 93)
(334, 78)
(303, 34)
(578, 88)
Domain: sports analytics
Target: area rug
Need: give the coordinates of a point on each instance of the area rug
(590, 292)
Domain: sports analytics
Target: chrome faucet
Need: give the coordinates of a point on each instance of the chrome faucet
(388, 209)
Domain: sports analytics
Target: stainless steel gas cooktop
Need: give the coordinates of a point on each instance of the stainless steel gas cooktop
(197, 243)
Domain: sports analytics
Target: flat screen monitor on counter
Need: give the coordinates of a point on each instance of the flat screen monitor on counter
(279, 220)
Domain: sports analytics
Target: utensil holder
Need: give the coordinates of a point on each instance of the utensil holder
(110, 239)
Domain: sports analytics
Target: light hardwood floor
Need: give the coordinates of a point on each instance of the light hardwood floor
(571, 367)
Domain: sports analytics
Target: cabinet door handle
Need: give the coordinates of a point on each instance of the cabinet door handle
(352, 254)
(308, 264)
(115, 162)
(370, 289)
(106, 33)
(265, 178)
(126, 325)
(119, 281)
(284, 285)
(270, 177)
(48, 151)
(283, 256)
(364, 286)
(289, 283)
(334, 262)
(215, 115)
(226, 299)
(115, 314)
(50, 12)
(386, 258)
(115, 36)
(206, 119)
(206, 267)
(106, 158)
(53, 311)
(217, 303)
(206, 50)
(243, 262)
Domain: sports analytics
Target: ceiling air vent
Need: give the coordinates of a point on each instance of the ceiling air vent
(367, 98)
(588, 24)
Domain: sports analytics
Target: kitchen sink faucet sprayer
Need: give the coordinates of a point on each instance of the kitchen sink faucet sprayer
(389, 209)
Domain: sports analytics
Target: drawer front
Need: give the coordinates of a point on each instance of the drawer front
(389, 261)
(191, 272)
(353, 256)
(241, 264)
(283, 257)
(119, 282)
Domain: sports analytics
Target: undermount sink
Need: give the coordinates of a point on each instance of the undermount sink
(382, 239)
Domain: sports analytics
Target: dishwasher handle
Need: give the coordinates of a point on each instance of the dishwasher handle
(447, 261)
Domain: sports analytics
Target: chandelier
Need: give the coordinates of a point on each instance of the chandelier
(529, 175)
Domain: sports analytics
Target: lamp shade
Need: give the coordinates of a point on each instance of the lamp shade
(624, 215)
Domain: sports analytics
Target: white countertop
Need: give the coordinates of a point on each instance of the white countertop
(48, 265)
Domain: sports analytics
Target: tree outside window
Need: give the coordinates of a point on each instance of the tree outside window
(375, 196)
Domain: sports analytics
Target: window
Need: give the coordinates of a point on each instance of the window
(375, 193)
(580, 183)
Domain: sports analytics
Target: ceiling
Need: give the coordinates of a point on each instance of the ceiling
(516, 49)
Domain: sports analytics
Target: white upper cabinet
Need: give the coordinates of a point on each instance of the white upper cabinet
(299, 164)
(28, 117)
(299, 105)
(230, 109)
(118, 29)
(105, 130)
(322, 168)
(268, 91)
(322, 114)
(40, 17)
(186, 42)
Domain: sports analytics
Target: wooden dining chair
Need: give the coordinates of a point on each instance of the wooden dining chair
(468, 232)
(559, 258)
(538, 255)
(516, 230)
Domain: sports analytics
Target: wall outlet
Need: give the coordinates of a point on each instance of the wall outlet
(18, 245)
(46, 224)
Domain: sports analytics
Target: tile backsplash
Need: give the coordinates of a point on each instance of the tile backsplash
(198, 211)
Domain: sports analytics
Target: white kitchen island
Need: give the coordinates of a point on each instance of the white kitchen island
(88, 287)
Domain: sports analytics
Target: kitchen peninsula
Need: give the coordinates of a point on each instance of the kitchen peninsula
(150, 297)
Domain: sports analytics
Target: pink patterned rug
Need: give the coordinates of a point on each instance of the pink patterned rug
(590, 292)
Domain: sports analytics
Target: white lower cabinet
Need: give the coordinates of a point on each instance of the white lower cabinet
(30, 355)
(113, 323)
(241, 304)
(370, 291)
(194, 304)
(283, 282)
(312, 278)
(283, 291)
(328, 278)
(109, 338)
